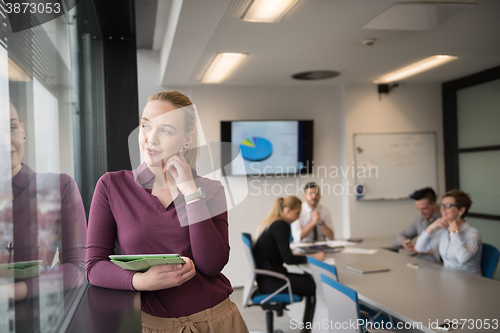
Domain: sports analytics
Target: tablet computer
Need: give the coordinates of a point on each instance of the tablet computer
(21, 270)
(142, 262)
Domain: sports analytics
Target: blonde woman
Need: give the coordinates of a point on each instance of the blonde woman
(272, 249)
(165, 207)
(54, 235)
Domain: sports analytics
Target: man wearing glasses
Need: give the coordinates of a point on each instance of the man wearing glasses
(425, 201)
(315, 222)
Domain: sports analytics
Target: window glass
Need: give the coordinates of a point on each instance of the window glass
(478, 112)
(479, 178)
(44, 72)
(7, 316)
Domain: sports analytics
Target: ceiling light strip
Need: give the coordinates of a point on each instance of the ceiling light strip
(268, 11)
(415, 68)
(223, 65)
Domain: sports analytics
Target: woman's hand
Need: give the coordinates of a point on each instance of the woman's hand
(164, 276)
(453, 226)
(20, 290)
(181, 171)
(439, 223)
(318, 255)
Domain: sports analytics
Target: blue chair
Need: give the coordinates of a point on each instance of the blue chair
(343, 306)
(318, 268)
(276, 301)
(489, 260)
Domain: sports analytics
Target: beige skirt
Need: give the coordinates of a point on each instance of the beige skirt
(224, 317)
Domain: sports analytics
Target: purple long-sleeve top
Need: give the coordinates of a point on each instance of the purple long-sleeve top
(124, 210)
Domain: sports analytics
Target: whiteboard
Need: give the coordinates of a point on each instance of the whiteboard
(391, 166)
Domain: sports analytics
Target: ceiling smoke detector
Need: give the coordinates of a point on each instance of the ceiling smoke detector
(315, 75)
(369, 41)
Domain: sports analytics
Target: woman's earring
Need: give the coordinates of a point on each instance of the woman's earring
(24, 138)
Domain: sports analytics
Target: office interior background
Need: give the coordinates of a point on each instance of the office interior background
(327, 35)
(90, 72)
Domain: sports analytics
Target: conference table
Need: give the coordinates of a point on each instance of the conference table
(429, 295)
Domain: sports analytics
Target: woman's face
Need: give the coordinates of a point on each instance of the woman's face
(452, 213)
(162, 133)
(291, 215)
(16, 140)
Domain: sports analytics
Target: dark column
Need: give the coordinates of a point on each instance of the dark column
(117, 24)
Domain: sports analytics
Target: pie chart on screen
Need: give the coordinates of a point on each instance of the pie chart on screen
(256, 149)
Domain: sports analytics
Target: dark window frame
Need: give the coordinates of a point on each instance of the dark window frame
(450, 129)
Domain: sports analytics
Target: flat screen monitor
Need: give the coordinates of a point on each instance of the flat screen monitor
(268, 147)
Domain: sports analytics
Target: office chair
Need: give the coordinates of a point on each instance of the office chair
(317, 268)
(268, 302)
(489, 260)
(343, 307)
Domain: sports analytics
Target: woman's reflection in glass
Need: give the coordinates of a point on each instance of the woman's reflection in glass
(46, 253)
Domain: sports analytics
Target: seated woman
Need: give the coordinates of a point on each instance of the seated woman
(272, 249)
(460, 245)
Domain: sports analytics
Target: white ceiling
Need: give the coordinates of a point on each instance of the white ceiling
(322, 35)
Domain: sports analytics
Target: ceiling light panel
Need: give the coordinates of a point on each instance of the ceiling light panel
(268, 10)
(415, 68)
(223, 65)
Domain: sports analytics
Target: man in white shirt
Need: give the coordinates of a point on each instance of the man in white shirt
(315, 223)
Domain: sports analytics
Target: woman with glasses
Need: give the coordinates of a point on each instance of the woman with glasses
(460, 245)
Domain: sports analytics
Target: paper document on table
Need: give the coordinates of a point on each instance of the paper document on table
(365, 267)
(293, 246)
(334, 243)
(330, 261)
(357, 250)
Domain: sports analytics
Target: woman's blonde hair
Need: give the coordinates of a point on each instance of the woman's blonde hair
(184, 103)
(276, 213)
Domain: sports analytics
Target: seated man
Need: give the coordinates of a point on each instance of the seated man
(314, 223)
(425, 201)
